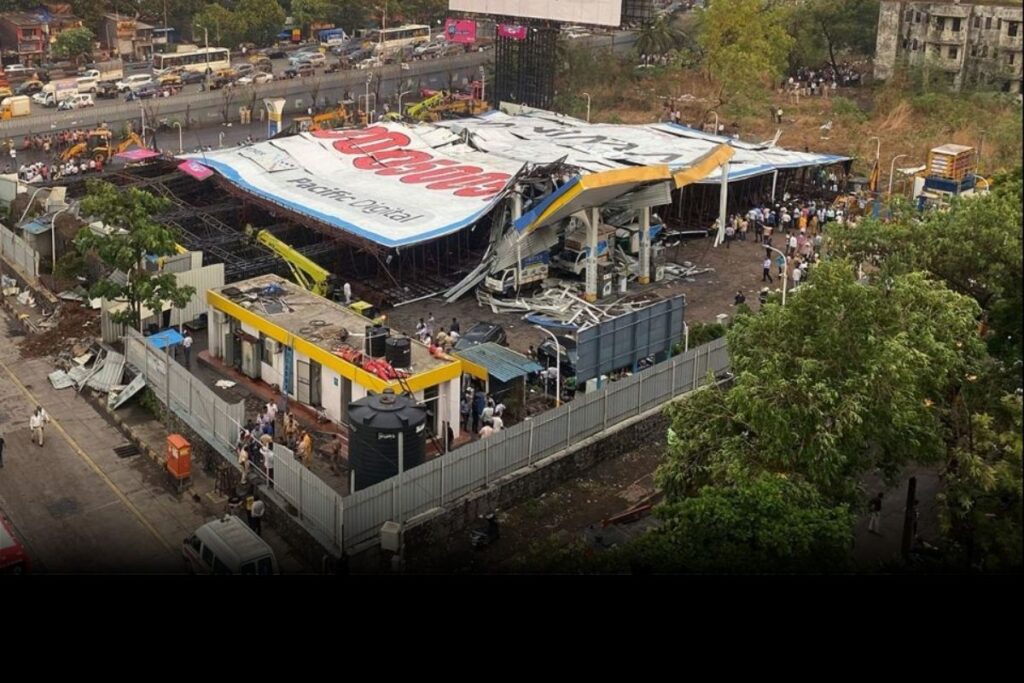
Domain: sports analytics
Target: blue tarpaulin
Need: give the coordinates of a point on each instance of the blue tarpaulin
(164, 338)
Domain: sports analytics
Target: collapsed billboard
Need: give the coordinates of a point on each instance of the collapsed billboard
(383, 183)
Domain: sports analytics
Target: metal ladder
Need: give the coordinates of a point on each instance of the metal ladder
(406, 390)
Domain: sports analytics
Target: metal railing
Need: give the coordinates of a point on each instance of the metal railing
(17, 251)
(445, 479)
(215, 420)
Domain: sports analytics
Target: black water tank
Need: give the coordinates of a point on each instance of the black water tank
(375, 338)
(399, 352)
(374, 423)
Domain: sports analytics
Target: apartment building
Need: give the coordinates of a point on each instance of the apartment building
(23, 36)
(978, 43)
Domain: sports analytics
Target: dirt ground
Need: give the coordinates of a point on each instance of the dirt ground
(735, 268)
(570, 512)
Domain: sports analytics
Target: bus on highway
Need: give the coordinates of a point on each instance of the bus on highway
(394, 38)
(216, 58)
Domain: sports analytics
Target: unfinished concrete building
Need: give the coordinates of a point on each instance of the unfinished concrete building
(972, 44)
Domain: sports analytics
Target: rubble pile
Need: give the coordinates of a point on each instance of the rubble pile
(71, 326)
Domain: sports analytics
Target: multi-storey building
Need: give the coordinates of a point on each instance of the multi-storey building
(23, 36)
(974, 43)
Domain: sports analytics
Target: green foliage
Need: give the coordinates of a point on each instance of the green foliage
(305, 12)
(702, 333)
(826, 29)
(69, 266)
(769, 523)
(131, 210)
(260, 20)
(150, 403)
(222, 26)
(843, 379)
(658, 37)
(981, 508)
(975, 248)
(847, 109)
(74, 43)
(746, 45)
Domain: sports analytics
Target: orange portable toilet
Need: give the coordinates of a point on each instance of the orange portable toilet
(179, 456)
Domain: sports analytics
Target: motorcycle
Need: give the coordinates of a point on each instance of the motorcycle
(486, 534)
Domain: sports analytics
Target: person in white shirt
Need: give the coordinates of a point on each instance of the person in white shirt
(499, 409)
(497, 424)
(792, 244)
(36, 422)
(486, 431)
(267, 451)
(186, 345)
(797, 275)
(272, 410)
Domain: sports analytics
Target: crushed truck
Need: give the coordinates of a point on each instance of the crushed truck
(529, 273)
(573, 257)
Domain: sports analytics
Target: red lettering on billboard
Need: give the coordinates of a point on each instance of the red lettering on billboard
(381, 151)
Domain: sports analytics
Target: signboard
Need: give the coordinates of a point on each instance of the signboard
(596, 12)
(195, 169)
(125, 29)
(623, 341)
(383, 183)
(275, 108)
(460, 30)
(513, 31)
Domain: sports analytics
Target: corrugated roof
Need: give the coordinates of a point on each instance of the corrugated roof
(110, 374)
(503, 364)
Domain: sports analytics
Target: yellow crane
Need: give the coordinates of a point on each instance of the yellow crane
(442, 103)
(308, 274)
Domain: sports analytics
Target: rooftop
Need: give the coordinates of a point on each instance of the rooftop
(502, 363)
(319, 321)
(21, 18)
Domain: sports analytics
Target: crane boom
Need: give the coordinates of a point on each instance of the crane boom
(307, 273)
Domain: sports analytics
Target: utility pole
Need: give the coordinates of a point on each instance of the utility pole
(908, 517)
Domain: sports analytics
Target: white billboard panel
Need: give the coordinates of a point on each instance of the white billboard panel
(596, 12)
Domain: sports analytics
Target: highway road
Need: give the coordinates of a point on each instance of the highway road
(217, 107)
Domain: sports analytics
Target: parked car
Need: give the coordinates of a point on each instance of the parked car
(277, 53)
(546, 355)
(303, 70)
(482, 333)
(76, 101)
(13, 558)
(428, 49)
(30, 87)
(131, 82)
(170, 79)
(19, 71)
(228, 546)
(244, 69)
(219, 82)
(256, 78)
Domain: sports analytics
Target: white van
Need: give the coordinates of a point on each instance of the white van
(228, 546)
(87, 84)
(76, 101)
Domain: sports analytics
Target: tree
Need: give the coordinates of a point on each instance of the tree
(74, 44)
(975, 248)
(769, 523)
(827, 28)
(981, 506)
(260, 20)
(221, 25)
(135, 235)
(745, 45)
(305, 12)
(843, 379)
(659, 36)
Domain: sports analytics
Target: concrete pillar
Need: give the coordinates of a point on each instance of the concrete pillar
(722, 201)
(645, 245)
(775, 180)
(590, 294)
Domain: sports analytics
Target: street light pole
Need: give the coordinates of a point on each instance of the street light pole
(220, 139)
(587, 95)
(892, 170)
(366, 101)
(53, 238)
(400, 96)
(181, 149)
(716, 122)
(558, 365)
(483, 84)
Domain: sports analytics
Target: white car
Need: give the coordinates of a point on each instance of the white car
(133, 82)
(313, 58)
(255, 78)
(77, 101)
(17, 70)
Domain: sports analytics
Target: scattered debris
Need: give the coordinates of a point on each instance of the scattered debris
(224, 384)
(116, 399)
(69, 326)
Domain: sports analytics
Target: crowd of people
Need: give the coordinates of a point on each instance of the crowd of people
(434, 336)
(480, 414)
(823, 80)
(54, 146)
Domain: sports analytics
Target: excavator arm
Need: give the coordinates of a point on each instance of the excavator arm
(420, 109)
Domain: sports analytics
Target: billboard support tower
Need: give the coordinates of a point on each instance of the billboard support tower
(525, 67)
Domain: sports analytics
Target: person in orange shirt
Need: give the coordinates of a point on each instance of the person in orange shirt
(305, 450)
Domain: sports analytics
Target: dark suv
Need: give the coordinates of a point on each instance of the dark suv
(481, 333)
